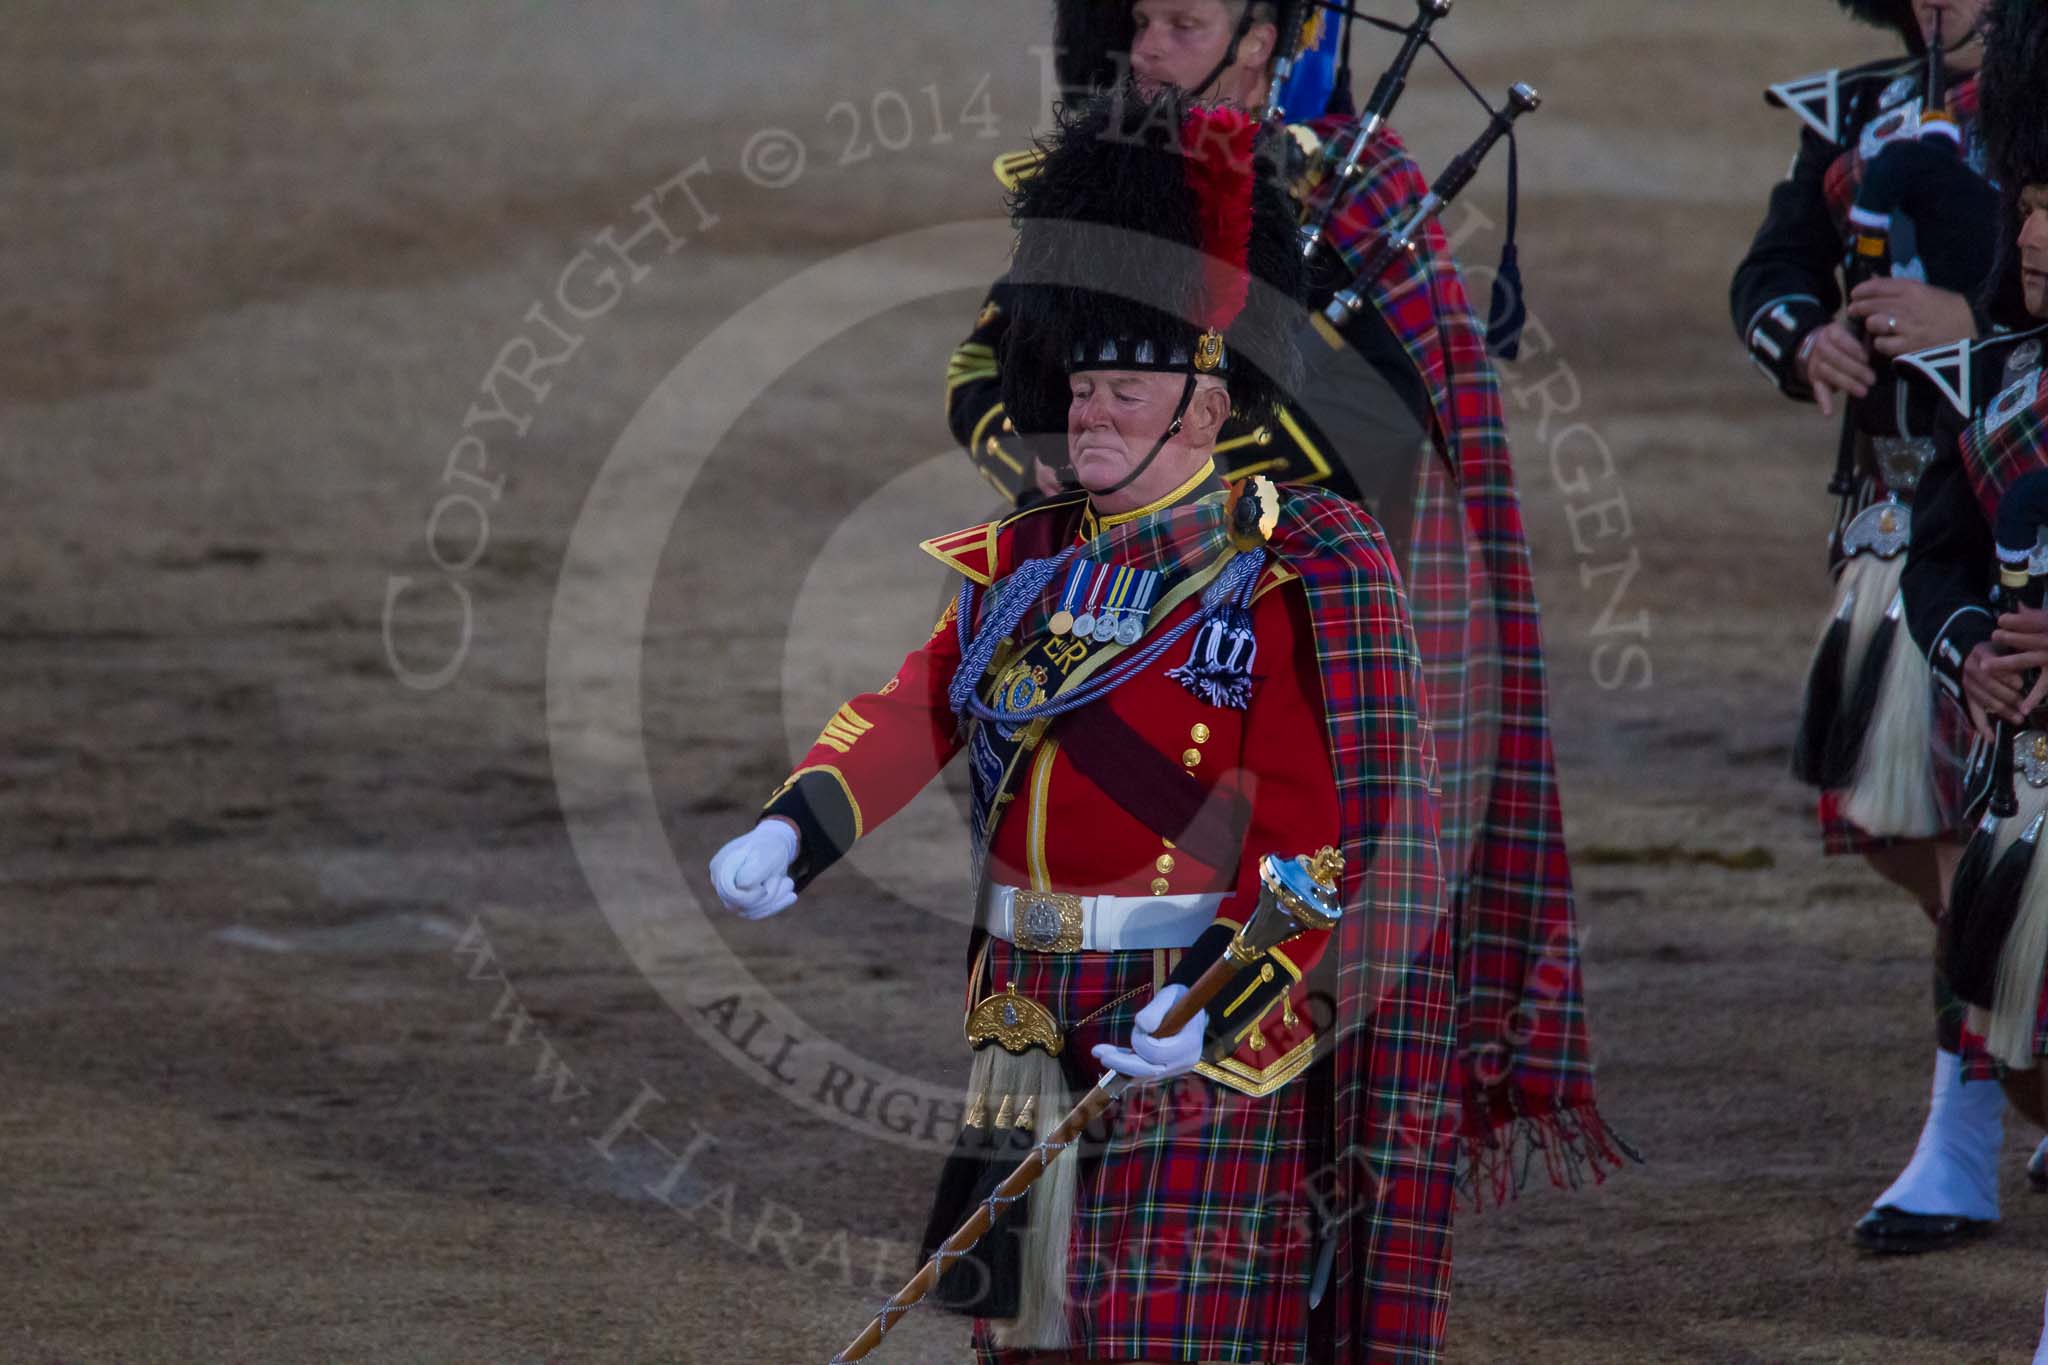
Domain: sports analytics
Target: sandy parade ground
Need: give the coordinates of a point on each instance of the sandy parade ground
(456, 454)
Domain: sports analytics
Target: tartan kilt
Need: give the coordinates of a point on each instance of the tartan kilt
(1980, 1065)
(1192, 1236)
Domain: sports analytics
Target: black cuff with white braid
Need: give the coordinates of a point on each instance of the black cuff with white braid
(826, 823)
(1961, 633)
(1775, 335)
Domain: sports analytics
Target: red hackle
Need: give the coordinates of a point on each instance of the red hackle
(1218, 142)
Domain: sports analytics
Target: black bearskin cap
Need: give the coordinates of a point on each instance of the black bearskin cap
(1091, 44)
(1892, 14)
(1092, 40)
(1116, 163)
(2013, 109)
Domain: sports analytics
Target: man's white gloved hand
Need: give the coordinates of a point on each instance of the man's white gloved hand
(751, 873)
(1154, 1059)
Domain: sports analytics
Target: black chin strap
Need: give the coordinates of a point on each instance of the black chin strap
(1187, 396)
(1244, 26)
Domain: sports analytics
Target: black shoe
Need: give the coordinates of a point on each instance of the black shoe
(1894, 1232)
(2037, 1170)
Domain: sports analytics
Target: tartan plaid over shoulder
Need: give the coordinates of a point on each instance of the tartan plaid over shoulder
(1526, 1070)
(2008, 439)
(1395, 1021)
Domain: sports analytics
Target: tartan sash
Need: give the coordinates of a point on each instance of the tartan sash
(1158, 792)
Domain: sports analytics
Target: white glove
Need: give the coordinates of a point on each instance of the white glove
(1154, 1059)
(751, 873)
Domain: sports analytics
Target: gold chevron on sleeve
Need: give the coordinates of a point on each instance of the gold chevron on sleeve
(1014, 168)
(844, 730)
(973, 360)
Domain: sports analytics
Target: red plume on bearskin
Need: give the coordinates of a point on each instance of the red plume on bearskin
(1219, 144)
(1891, 14)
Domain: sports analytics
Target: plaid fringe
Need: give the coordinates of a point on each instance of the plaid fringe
(1573, 1143)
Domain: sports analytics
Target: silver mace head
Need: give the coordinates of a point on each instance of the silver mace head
(1296, 895)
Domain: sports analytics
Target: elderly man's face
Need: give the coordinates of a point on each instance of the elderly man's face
(2034, 248)
(1114, 419)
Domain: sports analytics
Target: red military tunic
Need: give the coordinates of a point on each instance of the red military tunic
(1058, 830)
(1193, 1235)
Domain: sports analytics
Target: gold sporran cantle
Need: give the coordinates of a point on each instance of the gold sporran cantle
(1017, 1094)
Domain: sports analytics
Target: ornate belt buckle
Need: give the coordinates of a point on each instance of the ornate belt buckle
(1017, 1022)
(2030, 757)
(1046, 921)
(1902, 460)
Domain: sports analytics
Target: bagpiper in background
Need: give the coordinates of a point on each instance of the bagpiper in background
(1889, 178)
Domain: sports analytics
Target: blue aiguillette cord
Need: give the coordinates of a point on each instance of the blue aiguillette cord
(1021, 591)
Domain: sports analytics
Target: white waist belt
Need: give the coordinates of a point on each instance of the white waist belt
(1059, 922)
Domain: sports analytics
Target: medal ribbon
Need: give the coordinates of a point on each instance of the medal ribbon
(1144, 592)
(1098, 583)
(1233, 584)
(1076, 585)
(1113, 607)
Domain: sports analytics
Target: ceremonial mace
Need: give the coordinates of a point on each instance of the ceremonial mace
(1296, 896)
(1348, 303)
(1384, 96)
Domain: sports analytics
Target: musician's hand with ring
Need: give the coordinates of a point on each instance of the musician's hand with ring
(1834, 360)
(1988, 693)
(1903, 316)
(2022, 640)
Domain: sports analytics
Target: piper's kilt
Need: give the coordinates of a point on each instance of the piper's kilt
(1980, 1065)
(1193, 1230)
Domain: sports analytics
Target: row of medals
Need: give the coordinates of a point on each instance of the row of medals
(1124, 627)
